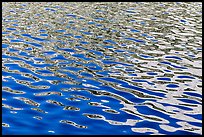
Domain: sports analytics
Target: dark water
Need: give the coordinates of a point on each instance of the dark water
(102, 68)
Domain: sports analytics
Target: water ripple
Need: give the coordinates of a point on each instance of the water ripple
(102, 68)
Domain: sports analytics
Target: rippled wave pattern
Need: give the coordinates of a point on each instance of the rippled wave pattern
(102, 68)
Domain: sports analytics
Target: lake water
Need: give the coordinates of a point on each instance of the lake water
(102, 68)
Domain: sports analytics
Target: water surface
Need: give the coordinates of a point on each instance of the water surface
(102, 68)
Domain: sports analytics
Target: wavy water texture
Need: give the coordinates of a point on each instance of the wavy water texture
(102, 68)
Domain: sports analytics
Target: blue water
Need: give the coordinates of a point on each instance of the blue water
(101, 68)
